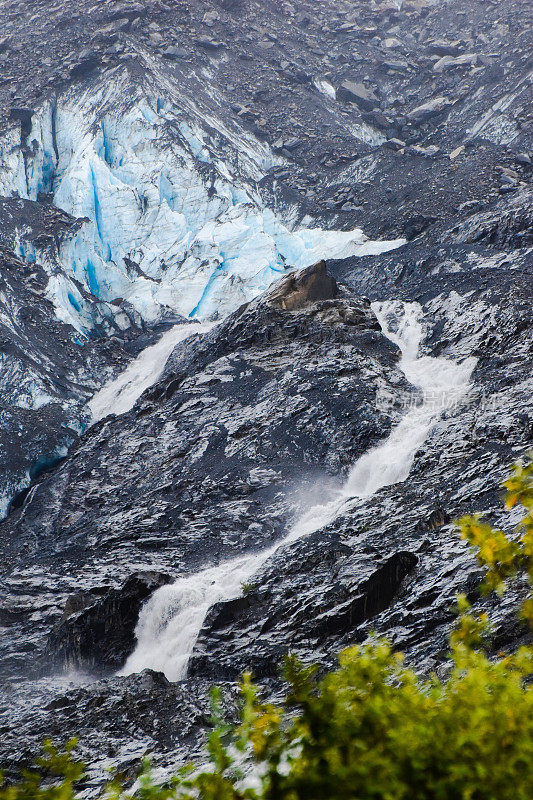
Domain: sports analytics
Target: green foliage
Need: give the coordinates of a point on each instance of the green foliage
(370, 729)
(501, 556)
(247, 587)
(54, 779)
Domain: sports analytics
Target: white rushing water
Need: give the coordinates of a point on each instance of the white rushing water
(120, 394)
(171, 620)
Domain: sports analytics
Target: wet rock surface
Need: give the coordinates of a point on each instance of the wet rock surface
(98, 634)
(128, 718)
(239, 418)
(392, 563)
(284, 608)
(407, 121)
(302, 288)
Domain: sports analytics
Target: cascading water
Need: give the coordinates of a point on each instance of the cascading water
(171, 620)
(119, 395)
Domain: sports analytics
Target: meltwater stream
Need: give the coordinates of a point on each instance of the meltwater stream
(171, 620)
(120, 394)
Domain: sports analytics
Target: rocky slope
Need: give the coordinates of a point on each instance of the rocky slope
(164, 162)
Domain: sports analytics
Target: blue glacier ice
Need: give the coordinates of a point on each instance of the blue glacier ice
(172, 218)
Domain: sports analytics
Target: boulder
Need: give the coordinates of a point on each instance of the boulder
(391, 43)
(396, 65)
(301, 288)
(357, 93)
(441, 47)
(172, 52)
(207, 43)
(394, 144)
(415, 225)
(210, 17)
(378, 119)
(449, 62)
(432, 108)
(290, 143)
(427, 152)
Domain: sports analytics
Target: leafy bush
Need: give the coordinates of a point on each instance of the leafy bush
(371, 729)
(40, 784)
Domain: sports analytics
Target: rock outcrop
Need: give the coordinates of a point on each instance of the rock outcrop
(302, 288)
(98, 634)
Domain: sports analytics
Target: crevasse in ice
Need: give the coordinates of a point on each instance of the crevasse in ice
(173, 218)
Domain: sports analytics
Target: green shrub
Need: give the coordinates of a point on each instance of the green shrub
(56, 775)
(371, 729)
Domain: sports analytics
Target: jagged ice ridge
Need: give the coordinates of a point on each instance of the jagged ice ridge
(173, 222)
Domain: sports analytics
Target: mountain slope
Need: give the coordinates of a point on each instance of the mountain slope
(198, 499)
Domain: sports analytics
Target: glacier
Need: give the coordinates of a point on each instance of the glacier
(120, 394)
(172, 222)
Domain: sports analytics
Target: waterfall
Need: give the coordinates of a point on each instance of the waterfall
(120, 394)
(171, 620)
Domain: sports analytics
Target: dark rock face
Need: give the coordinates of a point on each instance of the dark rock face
(285, 609)
(432, 108)
(146, 712)
(392, 564)
(99, 635)
(508, 225)
(306, 286)
(208, 463)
